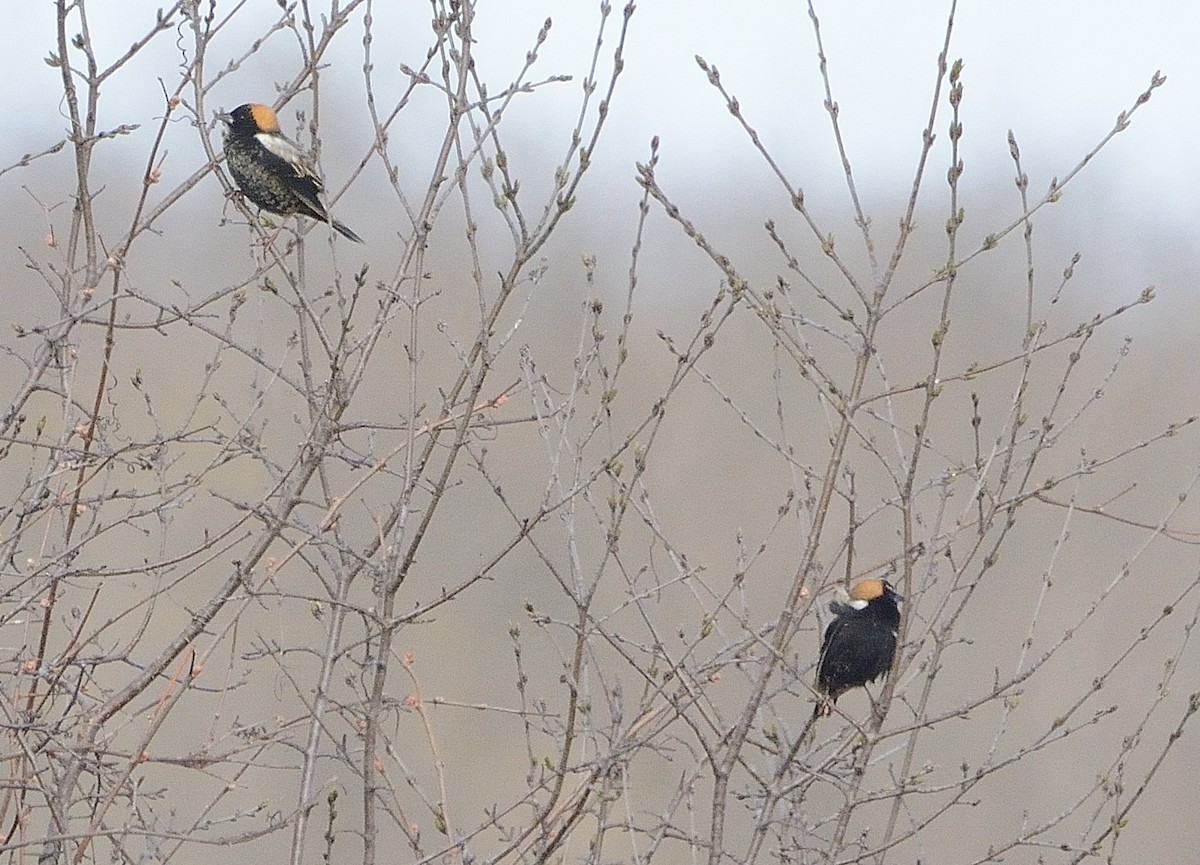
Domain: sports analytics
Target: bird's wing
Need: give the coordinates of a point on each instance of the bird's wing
(831, 630)
(305, 182)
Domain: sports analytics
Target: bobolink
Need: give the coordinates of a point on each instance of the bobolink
(272, 171)
(859, 643)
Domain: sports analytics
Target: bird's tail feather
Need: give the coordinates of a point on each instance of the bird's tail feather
(344, 231)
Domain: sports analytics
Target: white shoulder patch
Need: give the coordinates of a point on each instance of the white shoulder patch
(857, 603)
(288, 152)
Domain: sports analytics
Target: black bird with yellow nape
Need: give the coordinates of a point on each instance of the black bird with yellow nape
(272, 171)
(859, 643)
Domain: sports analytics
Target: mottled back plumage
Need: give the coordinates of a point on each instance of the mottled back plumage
(271, 171)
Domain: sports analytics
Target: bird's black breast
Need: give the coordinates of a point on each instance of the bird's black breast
(857, 648)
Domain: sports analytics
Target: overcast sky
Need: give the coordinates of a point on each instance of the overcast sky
(1057, 73)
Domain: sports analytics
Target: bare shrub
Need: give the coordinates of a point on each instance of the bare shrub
(365, 554)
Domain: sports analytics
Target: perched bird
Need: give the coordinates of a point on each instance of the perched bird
(272, 171)
(859, 643)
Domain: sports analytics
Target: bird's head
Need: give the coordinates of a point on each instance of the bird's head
(871, 590)
(251, 119)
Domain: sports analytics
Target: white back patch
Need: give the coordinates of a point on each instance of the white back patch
(289, 153)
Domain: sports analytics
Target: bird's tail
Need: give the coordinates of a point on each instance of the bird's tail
(344, 231)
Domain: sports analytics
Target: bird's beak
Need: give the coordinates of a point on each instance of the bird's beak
(227, 118)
